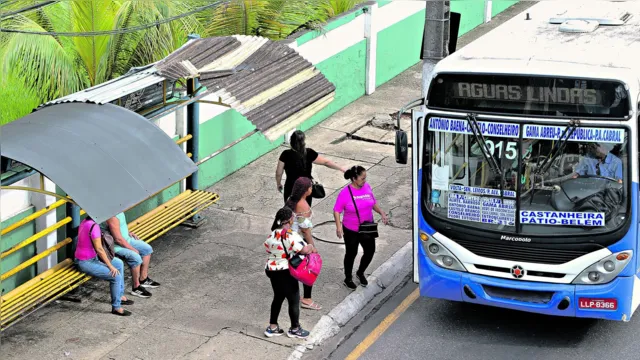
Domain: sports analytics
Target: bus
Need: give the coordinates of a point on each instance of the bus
(525, 165)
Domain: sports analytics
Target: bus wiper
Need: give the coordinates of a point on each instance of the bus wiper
(482, 144)
(558, 148)
(484, 149)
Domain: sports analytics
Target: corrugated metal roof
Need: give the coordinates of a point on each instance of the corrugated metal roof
(114, 89)
(266, 81)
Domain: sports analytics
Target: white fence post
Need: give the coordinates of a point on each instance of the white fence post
(487, 10)
(40, 201)
(371, 35)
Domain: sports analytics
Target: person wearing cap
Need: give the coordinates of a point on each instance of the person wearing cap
(599, 161)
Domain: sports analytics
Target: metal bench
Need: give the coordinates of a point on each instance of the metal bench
(64, 277)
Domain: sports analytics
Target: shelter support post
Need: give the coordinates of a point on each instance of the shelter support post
(73, 211)
(193, 144)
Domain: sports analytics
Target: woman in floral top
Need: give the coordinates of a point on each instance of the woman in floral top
(283, 241)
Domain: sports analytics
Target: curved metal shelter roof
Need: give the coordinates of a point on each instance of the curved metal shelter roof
(107, 158)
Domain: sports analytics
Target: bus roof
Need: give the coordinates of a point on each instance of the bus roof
(536, 46)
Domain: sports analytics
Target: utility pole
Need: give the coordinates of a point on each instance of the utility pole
(436, 39)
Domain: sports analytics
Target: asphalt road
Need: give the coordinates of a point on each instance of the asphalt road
(441, 330)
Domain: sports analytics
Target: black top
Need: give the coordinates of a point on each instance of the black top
(295, 167)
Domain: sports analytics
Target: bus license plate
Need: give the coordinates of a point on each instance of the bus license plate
(599, 304)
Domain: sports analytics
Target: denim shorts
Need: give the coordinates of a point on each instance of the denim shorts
(131, 257)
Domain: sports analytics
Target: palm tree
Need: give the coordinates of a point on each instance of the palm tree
(55, 66)
(274, 19)
(45, 67)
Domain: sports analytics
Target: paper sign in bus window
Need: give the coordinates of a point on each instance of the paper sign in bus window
(440, 177)
(563, 218)
(582, 134)
(481, 209)
(458, 126)
(481, 191)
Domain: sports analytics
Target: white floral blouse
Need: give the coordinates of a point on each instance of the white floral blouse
(277, 259)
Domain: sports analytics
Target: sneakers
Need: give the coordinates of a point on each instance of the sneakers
(140, 292)
(362, 279)
(350, 284)
(273, 332)
(298, 332)
(148, 283)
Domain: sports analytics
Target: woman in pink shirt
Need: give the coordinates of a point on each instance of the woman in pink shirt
(360, 193)
(91, 258)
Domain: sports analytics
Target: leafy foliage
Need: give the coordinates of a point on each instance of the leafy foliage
(43, 68)
(54, 66)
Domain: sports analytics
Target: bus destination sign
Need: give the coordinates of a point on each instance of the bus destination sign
(537, 94)
(529, 95)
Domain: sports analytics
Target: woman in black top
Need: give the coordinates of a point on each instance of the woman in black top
(297, 162)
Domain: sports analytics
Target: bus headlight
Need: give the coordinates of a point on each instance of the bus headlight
(439, 254)
(604, 270)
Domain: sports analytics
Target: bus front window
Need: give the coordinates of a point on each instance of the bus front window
(563, 187)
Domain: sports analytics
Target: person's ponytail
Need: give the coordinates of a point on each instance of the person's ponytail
(354, 172)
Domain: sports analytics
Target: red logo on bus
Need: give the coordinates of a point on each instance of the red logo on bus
(517, 271)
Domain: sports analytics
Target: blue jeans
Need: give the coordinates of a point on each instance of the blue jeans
(131, 257)
(98, 269)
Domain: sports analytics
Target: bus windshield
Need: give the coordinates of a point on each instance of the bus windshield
(526, 178)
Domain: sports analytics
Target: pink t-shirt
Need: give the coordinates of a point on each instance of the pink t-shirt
(84, 249)
(364, 199)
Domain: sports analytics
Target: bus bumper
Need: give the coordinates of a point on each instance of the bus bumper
(536, 297)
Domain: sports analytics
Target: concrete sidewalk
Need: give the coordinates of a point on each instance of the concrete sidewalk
(214, 299)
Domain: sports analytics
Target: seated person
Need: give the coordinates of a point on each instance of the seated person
(599, 161)
(92, 259)
(135, 252)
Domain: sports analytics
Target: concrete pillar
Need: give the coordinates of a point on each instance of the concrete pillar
(371, 35)
(40, 201)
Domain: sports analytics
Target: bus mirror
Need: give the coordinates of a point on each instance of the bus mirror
(401, 147)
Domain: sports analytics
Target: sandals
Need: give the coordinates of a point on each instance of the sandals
(312, 306)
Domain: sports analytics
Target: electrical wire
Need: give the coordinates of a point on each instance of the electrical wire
(115, 32)
(323, 240)
(26, 9)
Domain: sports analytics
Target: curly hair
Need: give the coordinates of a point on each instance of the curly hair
(299, 190)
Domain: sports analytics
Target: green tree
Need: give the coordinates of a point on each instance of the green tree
(274, 19)
(54, 66)
(17, 100)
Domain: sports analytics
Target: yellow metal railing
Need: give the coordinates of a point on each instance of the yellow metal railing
(35, 259)
(184, 139)
(38, 235)
(32, 217)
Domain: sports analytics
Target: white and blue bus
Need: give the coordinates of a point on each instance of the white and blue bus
(525, 159)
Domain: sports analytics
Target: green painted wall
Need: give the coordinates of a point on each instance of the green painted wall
(472, 14)
(221, 131)
(399, 47)
(345, 70)
(499, 6)
(20, 256)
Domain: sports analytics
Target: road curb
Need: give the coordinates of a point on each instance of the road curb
(329, 325)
